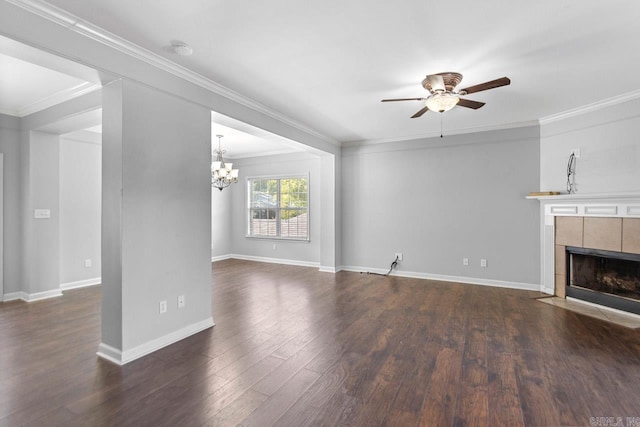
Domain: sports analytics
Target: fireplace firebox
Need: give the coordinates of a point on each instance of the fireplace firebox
(604, 277)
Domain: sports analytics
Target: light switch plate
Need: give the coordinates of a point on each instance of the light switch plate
(42, 213)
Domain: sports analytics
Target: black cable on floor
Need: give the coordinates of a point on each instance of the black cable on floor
(394, 264)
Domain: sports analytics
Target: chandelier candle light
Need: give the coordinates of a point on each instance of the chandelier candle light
(222, 174)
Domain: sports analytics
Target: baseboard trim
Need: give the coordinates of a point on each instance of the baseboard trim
(411, 274)
(275, 260)
(13, 296)
(32, 297)
(325, 269)
(447, 278)
(81, 283)
(44, 295)
(549, 291)
(123, 357)
(109, 353)
(220, 258)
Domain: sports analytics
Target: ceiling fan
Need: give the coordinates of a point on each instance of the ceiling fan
(443, 95)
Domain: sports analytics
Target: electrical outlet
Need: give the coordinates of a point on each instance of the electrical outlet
(483, 263)
(465, 261)
(163, 306)
(87, 263)
(575, 152)
(275, 246)
(181, 301)
(399, 256)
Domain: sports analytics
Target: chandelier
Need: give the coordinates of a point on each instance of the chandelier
(222, 174)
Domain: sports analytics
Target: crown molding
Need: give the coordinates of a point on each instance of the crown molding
(9, 112)
(86, 29)
(595, 106)
(56, 98)
(436, 134)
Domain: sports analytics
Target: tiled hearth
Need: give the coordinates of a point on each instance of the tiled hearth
(626, 320)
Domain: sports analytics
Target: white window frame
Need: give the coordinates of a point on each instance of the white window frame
(250, 180)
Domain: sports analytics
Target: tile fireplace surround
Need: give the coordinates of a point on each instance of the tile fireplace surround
(597, 221)
(608, 234)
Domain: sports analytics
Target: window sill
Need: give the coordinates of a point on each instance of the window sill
(280, 239)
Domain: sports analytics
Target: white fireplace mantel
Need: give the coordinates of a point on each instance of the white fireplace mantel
(588, 196)
(619, 205)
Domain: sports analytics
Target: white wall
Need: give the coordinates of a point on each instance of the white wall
(33, 266)
(80, 209)
(280, 165)
(440, 200)
(221, 221)
(41, 263)
(10, 142)
(609, 150)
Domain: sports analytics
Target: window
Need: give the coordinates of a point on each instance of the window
(279, 207)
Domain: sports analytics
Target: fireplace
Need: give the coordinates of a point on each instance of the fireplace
(604, 277)
(593, 222)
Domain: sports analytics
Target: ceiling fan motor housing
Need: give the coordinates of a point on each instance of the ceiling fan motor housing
(451, 80)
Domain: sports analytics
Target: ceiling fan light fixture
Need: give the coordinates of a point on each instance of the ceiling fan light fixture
(441, 102)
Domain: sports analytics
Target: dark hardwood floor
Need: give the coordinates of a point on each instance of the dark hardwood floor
(296, 347)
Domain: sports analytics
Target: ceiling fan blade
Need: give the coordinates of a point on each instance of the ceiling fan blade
(437, 82)
(503, 81)
(403, 99)
(469, 103)
(420, 113)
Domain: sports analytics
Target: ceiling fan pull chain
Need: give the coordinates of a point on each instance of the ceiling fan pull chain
(440, 125)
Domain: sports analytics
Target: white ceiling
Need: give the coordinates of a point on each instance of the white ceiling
(24, 86)
(32, 80)
(327, 64)
(243, 140)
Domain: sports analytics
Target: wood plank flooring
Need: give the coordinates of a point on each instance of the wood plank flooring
(296, 347)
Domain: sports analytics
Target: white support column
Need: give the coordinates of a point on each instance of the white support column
(330, 246)
(156, 230)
